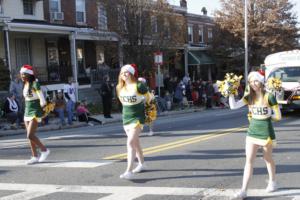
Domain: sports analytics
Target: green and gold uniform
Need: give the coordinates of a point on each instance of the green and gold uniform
(34, 101)
(133, 99)
(262, 113)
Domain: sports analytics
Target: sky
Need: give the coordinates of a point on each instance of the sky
(195, 6)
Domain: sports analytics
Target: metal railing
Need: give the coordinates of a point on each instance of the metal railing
(97, 75)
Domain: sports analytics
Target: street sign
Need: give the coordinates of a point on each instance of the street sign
(158, 58)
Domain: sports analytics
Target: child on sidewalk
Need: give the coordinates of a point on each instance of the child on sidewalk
(83, 114)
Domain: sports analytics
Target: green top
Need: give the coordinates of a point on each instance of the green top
(260, 124)
(133, 103)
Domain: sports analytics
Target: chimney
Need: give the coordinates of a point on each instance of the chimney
(183, 3)
(204, 11)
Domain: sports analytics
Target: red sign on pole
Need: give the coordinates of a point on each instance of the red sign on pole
(158, 58)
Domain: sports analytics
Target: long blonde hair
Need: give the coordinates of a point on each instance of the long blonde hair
(252, 93)
(121, 82)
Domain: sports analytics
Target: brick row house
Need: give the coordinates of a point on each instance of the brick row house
(61, 38)
(198, 62)
(73, 38)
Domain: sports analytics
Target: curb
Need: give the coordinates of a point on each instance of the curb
(53, 127)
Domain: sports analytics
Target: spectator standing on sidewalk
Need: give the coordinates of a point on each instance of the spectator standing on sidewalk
(69, 90)
(132, 95)
(263, 108)
(34, 101)
(209, 94)
(60, 105)
(16, 88)
(11, 110)
(107, 94)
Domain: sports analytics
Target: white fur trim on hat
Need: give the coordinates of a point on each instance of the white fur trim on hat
(26, 71)
(256, 76)
(141, 79)
(128, 68)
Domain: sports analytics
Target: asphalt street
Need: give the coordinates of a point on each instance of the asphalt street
(191, 156)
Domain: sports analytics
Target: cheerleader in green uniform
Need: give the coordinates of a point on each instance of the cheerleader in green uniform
(132, 95)
(34, 101)
(263, 108)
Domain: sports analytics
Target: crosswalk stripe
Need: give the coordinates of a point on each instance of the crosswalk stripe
(29, 191)
(55, 164)
(26, 195)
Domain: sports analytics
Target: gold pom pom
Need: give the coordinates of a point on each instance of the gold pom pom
(150, 112)
(274, 84)
(48, 108)
(230, 84)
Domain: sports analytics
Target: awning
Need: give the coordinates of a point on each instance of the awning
(199, 58)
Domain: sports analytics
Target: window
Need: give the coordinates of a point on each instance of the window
(154, 26)
(54, 5)
(190, 34)
(122, 19)
(200, 34)
(28, 7)
(102, 17)
(1, 7)
(22, 51)
(210, 34)
(167, 32)
(80, 11)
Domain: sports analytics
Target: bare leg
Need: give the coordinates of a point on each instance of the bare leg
(131, 148)
(269, 161)
(31, 143)
(139, 151)
(31, 127)
(251, 150)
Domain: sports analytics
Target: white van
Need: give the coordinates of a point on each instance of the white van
(286, 66)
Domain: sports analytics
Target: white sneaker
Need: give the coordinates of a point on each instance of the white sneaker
(240, 195)
(139, 168)
(272, 186)
(32, 160)
(90, 124)
(44, 155)
(126, 175)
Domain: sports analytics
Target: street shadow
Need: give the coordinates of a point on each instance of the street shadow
(82, 146)
(51, 146)
(3, 172)
(90, 138)
(196, 157)
(280, 169)
(285, 150)
(289, 142)
(168, 134)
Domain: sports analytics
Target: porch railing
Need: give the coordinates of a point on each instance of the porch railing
(97, 75)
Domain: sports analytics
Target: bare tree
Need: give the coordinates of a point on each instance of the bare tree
(145, 26)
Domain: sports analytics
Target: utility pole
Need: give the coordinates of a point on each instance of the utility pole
(246, 40)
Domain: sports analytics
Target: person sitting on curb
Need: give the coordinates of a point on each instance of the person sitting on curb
(83, 114)
(11, 110)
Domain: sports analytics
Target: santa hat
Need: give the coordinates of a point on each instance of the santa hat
(136, 74)
(257, 76)
(129, 68)
(27, 69)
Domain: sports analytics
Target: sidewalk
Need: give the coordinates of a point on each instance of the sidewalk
(54, 123)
